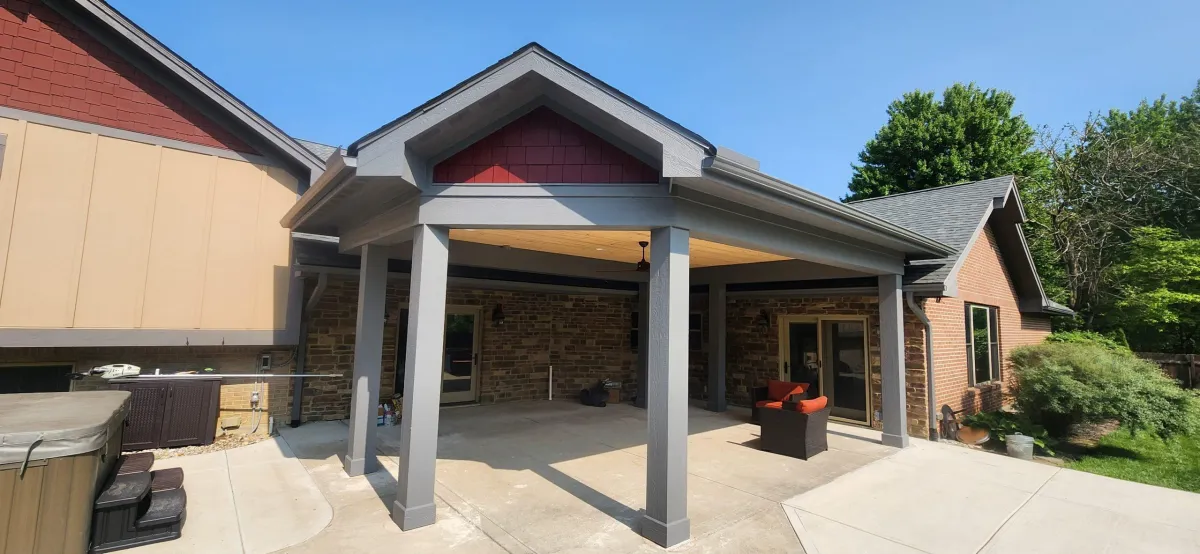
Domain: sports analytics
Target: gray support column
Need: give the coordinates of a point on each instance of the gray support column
(665, 521)
(422, 379)
(716, 347)
(368, 359)
(643, 309)
(891, 361)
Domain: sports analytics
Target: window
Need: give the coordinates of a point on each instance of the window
(983, 344)
(695, 331)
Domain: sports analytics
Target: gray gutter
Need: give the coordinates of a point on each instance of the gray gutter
(337, 169)
(817, 202)
(181, 68)
(930, 391)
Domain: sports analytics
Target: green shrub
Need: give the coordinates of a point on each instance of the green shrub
(1002, 424)
(1090, 338)
(1060, 384)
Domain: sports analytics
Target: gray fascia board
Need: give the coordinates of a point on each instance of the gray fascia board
(952, 277)
(207, 87)
(551, 57)
(386, 154)
(800, 197)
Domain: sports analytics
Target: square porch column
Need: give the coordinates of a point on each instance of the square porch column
(368, 360)
(422, 378)
(716, 347)
(891, 361)
(665, 521)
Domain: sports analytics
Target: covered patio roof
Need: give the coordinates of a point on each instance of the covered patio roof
(533, 165)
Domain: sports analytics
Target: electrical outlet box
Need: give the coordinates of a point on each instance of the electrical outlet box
(264, 362)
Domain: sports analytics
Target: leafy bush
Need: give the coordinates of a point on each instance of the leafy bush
(1060, 384)
(1089, 338)
(1002, 424)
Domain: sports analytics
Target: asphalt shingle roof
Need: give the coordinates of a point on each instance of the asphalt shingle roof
(322, 151)
(948, 214)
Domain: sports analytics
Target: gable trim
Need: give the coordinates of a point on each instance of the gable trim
(200, 82)
(507, 60)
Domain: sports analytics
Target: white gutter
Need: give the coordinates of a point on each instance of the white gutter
(930, 393)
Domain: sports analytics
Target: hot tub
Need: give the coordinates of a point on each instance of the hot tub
(55, 451)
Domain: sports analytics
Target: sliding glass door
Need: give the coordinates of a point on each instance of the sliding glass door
(830, 354)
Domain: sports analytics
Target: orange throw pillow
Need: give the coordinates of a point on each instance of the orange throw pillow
(809, 406)
(781, 390)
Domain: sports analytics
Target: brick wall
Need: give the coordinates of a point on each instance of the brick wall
(47, 65)
(543, 147)
(983, 279)
(753, 354)
(274, 397)
(585, 337)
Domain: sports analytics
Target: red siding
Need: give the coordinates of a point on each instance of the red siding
(543, 147)
(48, 65)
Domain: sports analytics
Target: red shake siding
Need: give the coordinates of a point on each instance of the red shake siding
(543, 147)
(983, 279)
(49, 66)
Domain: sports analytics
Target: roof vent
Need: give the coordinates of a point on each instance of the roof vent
(740, 159)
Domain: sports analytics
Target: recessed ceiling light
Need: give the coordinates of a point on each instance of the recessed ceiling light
(599, 249)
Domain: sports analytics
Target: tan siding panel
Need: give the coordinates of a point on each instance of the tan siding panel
(10, 174)
(179, 244)
(46, 244)
(229, 282)
(120, 216)
(273, 250)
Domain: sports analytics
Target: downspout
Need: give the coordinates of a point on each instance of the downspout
(930, 393)
(302, 347)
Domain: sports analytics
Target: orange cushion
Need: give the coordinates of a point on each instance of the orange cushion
(781, 390)
(809, 406)
(769, 404)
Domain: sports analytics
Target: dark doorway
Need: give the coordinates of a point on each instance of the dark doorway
(35, 378)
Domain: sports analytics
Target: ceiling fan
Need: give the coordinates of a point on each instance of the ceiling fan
(642, 266)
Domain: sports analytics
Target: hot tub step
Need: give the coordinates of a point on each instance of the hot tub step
(166, 511)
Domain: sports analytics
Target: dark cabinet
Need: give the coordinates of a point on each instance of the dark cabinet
(170, 412)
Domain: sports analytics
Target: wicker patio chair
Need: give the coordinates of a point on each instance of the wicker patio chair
(791, 432)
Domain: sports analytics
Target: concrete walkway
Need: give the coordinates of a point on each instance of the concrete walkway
(249, 500)
(939, 498)
(553, 477)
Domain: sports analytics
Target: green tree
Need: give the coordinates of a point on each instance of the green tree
(969, 134)
(1159, 300)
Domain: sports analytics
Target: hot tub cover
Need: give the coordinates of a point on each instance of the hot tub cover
(66, 423)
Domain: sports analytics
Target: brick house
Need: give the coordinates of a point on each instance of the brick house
(521, 236)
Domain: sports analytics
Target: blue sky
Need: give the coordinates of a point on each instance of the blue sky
(799, 87)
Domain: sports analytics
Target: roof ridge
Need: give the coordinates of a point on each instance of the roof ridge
(1010, 177)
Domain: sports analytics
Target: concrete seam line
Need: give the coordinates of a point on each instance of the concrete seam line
(847, 525)
(806, 542)
(482, 516)
(236, 517)
(992, 537)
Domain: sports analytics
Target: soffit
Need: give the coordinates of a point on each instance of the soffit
(620, 246)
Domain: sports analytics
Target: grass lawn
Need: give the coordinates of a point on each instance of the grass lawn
(1173, 463)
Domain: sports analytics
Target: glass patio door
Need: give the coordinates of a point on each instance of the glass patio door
(830, 354)
(460, 354)
(460, 359)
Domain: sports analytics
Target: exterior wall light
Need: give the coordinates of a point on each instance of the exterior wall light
(763, 321)
(498, 315)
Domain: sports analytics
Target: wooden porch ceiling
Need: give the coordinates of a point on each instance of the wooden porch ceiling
(619, 246)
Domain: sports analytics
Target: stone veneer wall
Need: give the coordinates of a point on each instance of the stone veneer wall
(584, 336)
(274, 395)
(753, 355)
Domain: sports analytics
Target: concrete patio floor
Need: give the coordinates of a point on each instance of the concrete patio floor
(560, 477)
(943, 498)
